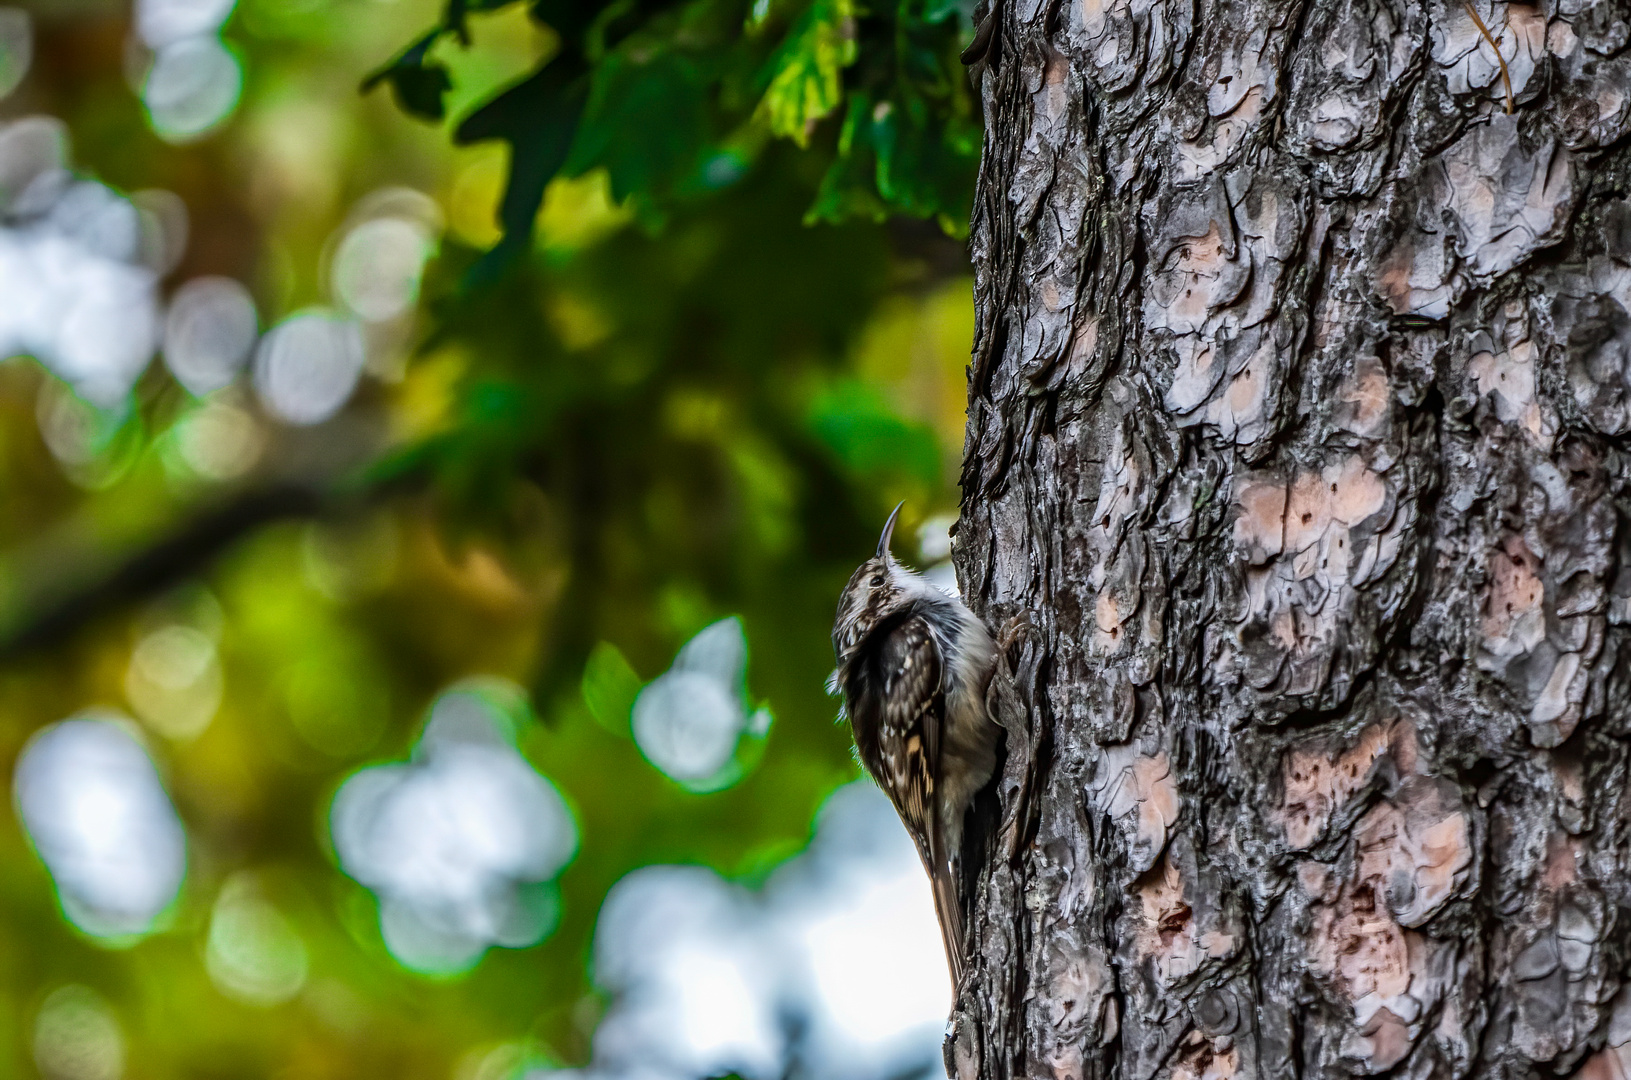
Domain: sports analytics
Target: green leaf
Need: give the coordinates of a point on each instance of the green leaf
(538, 118)
(807, 72)
(573, 18)
(646, 121)
(847, 191)
(911, 156)
(610, 685)
(418, 85)
(899, 156)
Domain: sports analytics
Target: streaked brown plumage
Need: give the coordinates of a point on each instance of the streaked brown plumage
(913, 665)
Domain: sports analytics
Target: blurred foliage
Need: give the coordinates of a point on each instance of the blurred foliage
(671, 364)
(677, 99)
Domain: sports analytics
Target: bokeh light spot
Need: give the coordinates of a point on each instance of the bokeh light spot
(853, 949)
(174, 681)
(33, 164)
(163, 22)
(75, 299)
(460, 843)
(209, 332)
(254, 953)
(308, 365)
(95, 446)
(192, 86)
(219, 441)
(164, 227)
(693, 974)
(687, 721)
(378, 267)
(92, 803)
(76, 1037)
(834, 971)
(934, 544)
(103, 222)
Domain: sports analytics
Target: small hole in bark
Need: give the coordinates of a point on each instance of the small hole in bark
(1115, 631)
(1333, 489)
(1481, 772)
(1307, 518)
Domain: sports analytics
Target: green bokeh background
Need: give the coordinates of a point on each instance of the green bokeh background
(670, 407)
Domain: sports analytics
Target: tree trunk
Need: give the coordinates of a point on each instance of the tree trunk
(1298, 429)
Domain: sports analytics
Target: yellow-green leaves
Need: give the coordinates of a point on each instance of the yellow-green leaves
(610, 685)
(807, 72)
(678, 100)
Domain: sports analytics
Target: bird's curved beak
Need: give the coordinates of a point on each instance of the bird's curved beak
(888, 531)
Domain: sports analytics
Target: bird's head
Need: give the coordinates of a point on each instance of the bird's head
(878, 589)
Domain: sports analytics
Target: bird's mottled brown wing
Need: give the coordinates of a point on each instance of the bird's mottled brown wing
(911, 716)
(910, 704)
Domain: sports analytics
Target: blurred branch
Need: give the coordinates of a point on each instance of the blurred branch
(57, 609)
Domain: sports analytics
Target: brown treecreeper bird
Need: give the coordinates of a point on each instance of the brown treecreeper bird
(913, 666)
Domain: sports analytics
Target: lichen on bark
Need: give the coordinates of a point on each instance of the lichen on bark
(1297, 431)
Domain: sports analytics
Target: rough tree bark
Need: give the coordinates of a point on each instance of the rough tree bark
(1299, 421)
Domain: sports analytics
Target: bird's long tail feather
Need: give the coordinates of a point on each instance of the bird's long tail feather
(950, 913)
(947, 908)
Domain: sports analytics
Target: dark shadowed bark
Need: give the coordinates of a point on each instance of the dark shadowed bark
(1299, 418)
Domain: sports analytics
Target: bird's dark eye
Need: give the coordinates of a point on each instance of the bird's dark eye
(877, 579)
